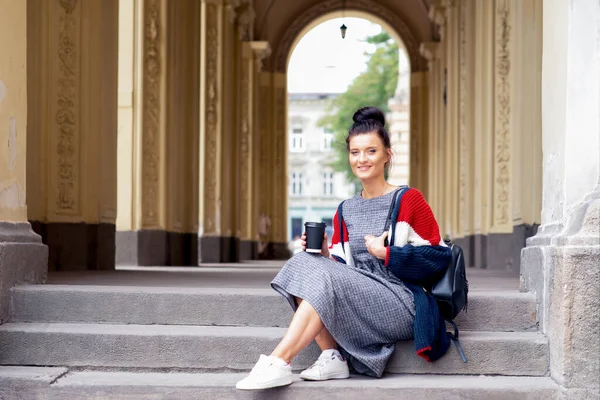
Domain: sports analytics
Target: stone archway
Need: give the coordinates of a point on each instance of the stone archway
(327, 7)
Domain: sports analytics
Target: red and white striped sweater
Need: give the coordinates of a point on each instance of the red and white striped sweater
(416, 225)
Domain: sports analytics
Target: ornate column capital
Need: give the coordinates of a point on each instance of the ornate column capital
(261, 50)
(449, 3)
(437, 12)
(429, 50)
(230, 9)
(245, 21)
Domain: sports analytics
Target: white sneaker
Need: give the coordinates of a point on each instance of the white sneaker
(269, 372)
(330, 365)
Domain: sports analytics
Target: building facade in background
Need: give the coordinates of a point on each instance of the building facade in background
(314, 188)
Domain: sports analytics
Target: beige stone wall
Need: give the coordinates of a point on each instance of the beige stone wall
(484, 116)
(72, 118)
(13, 110)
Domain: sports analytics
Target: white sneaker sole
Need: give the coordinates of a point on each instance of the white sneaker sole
(266, 385)
(337, 375)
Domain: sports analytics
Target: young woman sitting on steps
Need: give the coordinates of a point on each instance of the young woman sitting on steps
(359, 296)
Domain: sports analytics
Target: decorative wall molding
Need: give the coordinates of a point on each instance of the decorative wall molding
(211, 119)
(245, 21)
(230, 6)
(261, 50)
(502, 140)
(437, 15)
(245, 142)
(429, 51)
(67, 114)
(280, 190)
(154, 33)
(324, 7)
(416, 167)
(265, 154)
(464, 154)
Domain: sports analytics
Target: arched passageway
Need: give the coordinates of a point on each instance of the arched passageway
(186, 163)
(329, 77)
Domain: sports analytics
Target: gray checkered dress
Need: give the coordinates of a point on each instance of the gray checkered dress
(365, 308)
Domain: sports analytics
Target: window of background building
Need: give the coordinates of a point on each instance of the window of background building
(296, 184)
(328, 183)
(297, 142)
(327, 139)
(296, 227)
(328, 228)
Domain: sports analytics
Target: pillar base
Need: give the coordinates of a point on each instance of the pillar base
(497, 251)
(275, 251)
(156, 248)
(23, 260)
(248, 250)
(218, 249)
(78, 246)
(564, 276)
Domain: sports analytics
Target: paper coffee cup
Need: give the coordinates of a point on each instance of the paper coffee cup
(315, 232)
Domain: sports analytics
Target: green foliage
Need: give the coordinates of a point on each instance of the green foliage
(373, 87)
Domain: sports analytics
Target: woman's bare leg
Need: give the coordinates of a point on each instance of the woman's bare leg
(305, 326)
(323, 338)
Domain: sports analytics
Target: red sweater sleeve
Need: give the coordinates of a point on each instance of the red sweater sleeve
(415, 211)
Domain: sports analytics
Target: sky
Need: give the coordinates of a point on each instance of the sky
(323, 62)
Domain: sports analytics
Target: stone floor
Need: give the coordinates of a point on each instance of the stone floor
(254, 274)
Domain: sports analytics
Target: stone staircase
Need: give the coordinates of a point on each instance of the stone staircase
(81, 341)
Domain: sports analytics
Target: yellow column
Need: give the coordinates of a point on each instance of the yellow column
(211, 145)
(13, 111)
(265, 160)
(419, 141)
(430, 51)
(246, 144)
(501, 212)
(280, 173)
(483, 108)
(182, 128)
(144, 237)
(229, 114)
(158, 134)
(527, 146)
(72, 129)
(262, 156)
(440, 168)
(452, 123)
(23, 257)
(466, 118)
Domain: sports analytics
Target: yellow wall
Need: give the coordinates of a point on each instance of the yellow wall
(13, 109)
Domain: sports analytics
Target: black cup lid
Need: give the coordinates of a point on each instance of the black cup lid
(315, 224)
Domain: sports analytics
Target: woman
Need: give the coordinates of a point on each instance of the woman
(359, 297)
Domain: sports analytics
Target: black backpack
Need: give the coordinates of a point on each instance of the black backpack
(451, 292)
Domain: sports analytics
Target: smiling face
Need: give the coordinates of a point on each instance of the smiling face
(368, 156)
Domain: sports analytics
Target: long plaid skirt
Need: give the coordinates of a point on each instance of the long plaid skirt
(365, 313)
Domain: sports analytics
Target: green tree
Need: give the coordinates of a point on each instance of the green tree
(373, 87)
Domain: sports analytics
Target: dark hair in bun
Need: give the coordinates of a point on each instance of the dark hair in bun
(369, 120)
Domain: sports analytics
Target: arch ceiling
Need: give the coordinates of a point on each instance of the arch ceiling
(287, 19)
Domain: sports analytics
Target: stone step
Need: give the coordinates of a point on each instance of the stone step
(216, 348)
(488, 310)
(18, 383)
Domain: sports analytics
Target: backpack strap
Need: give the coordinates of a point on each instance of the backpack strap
(395, 210)
(341, 223)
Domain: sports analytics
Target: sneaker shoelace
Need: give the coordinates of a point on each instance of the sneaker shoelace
(321, 361)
